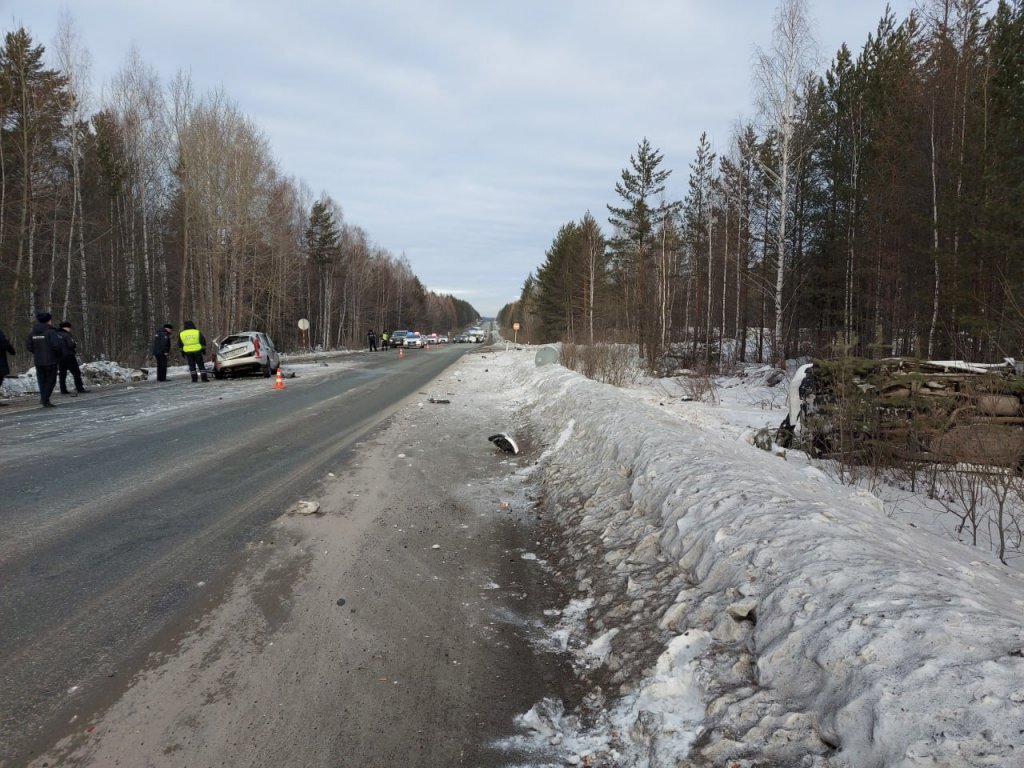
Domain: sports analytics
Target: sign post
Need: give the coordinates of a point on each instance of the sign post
(515, 333)
(304, 327)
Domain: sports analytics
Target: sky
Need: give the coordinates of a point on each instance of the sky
(460, 134)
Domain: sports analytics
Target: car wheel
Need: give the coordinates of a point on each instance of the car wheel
(266, 370)
(218, 374)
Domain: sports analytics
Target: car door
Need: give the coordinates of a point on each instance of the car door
(273, 356)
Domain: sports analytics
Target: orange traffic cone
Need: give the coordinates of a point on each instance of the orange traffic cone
(401, 352)
(279, 384)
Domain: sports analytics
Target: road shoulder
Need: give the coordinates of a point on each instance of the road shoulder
(401, 624)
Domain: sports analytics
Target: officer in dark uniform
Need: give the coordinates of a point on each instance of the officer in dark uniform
(5, 350)
(161, 349)
(45, 345)
(69, 360)
(193, 345)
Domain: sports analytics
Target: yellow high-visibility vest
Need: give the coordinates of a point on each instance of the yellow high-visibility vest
(190, 340)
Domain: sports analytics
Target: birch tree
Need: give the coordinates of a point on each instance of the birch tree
(139, 103)
(74, 62)
(596, 265)
(781, 73)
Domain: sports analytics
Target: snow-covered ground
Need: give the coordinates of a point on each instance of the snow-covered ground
(733, 606)
(106, 373)
(738, 607)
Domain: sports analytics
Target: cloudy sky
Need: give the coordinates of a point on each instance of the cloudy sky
(460, 133)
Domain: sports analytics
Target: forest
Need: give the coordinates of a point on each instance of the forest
(874, 209)
(163, 204)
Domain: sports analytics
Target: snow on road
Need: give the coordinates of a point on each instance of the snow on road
(736, 608)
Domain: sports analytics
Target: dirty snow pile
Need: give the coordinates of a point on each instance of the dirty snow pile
(97, 373)
(738, 609)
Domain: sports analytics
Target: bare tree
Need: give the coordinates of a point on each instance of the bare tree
(74, 62)
(780, 74)
(139, 102)
(594, 261)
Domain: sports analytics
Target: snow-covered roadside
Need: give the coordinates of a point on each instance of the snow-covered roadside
(738, 609)
(100, 373)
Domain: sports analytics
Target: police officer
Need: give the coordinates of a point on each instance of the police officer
(69, 360)
(193, 345)
(384, 339)
(5, 349)
(161, 349)
(45, 345)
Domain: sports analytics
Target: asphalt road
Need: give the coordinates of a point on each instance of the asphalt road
(116, 504)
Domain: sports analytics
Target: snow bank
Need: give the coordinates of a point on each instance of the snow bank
(770, 615)
(98, 373)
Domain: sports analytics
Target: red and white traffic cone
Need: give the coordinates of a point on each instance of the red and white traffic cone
(279, 383)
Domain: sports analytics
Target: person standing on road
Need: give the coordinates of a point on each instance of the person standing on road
(384, 340)
(161, 349)
(5, 350)
(69, 360)
(193, 345)
(45, 345)
(371, 337)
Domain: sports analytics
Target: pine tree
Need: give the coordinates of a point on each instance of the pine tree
(33, 104)
(322, 237)
(634, 245)
(698, 218)
(1000, 228)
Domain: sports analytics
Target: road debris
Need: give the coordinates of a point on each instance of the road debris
(505, 441)
(305, 508)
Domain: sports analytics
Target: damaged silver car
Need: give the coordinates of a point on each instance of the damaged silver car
(245, 352)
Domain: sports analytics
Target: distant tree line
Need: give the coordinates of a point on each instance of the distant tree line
(874, 209)
(164, 205)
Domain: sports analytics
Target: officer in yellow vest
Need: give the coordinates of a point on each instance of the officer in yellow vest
(193, 346)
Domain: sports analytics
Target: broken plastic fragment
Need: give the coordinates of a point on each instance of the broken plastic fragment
(505, 442)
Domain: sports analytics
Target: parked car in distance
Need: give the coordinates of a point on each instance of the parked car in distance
(413, 339)
(397, 338)
(443, 339)
(460, 338)
(431, 339)
(245, 352)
